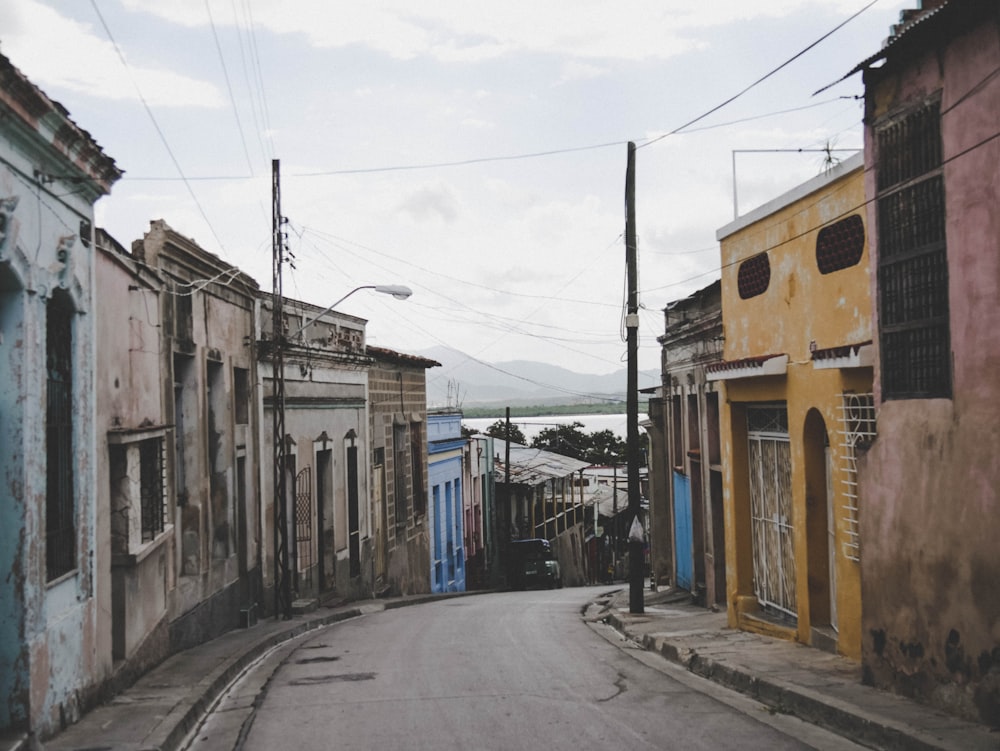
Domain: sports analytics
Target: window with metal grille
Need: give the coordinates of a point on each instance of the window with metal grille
(913, 263)
(60, 508)
(400, 461)
(840, 245)
(241, 396)
(152, 484)
(417, 468)
(754, 276)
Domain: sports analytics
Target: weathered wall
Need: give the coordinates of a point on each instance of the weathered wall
(800, 311)
(398, 394)
(51, 175)
(931, 516)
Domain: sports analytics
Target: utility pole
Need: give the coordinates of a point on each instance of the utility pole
(636, 554)
(282, 581)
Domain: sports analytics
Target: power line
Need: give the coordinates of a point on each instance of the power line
(760, 80)
(229, 85)
(156, 125)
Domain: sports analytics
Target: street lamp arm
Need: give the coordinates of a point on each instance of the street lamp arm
(399, 291)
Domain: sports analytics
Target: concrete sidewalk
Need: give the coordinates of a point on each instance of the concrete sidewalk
(167, 703)
(818, 687)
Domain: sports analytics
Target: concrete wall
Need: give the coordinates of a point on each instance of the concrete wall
(930, 482)
(801, 313)
(51, 175)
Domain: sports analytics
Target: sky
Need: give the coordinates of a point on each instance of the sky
(474, 151)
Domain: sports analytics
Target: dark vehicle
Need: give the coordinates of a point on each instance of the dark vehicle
(533, 564)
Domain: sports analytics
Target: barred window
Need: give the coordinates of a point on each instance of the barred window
(399, 473)
(914, 335)
(417, 468)
(754, 276)
(60, 506)
(840, 245)
(152, 498)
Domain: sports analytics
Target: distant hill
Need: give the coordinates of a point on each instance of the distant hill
(463, 381)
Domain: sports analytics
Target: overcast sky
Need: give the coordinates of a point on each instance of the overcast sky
(474, 151)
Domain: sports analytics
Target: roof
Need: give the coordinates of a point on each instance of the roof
(50, 121)
(399, 358)
(531, 466)
(921, 29)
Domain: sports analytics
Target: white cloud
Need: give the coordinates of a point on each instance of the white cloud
(431, 202)
(467, 31)
(97, 71)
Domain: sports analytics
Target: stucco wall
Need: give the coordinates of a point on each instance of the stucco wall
(930, 482)
(802, 310)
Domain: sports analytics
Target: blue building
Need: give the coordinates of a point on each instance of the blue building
(445, 446)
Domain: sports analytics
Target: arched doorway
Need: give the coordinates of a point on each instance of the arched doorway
(820, 528)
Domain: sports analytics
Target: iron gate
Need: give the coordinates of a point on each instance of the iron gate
(770, 469)
(303, 528)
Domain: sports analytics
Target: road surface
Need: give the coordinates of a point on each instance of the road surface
(508, 670)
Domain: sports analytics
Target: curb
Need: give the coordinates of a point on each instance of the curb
(184, 716)
(843, 718)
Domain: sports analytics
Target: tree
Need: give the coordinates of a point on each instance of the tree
(568, 440)
(606, 448)
(499, 430)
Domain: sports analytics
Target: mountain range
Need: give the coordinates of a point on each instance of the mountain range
(463, 381)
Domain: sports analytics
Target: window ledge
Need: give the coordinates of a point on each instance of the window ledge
(142, 552)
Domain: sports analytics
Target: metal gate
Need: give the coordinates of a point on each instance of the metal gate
(303, 528)
(683, 535)
(770, 470)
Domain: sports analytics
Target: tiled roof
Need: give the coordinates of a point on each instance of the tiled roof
(400, 358)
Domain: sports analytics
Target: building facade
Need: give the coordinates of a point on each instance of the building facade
(397, 410)
(797, 376)
(929, 482)
(51, 174)
(446, 512)
(329, 533)
(687, 510)
(209, 443)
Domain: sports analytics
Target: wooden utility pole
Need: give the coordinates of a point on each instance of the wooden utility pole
(282, 578)
(636, 548)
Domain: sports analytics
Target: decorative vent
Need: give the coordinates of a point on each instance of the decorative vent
(840, 245)
(754, 276)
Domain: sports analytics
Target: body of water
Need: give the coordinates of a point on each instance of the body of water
(532, 426)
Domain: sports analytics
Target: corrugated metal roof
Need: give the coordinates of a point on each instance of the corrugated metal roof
(531, 466)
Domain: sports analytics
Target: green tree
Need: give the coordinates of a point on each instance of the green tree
(568, 440)
(605, 448)
(499, 430)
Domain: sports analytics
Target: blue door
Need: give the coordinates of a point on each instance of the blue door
(683, 537)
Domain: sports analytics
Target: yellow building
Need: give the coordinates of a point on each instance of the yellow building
(796, 377)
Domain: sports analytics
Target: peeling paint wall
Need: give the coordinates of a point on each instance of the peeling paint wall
(47, 620)
(931, 521)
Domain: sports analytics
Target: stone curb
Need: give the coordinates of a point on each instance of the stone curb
(843, 718)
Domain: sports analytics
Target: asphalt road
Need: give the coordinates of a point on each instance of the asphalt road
(510, 670)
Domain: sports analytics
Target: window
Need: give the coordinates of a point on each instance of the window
(754, 276)
(241, 395)
(840, 245)
(138, 488)
(417, 468)
(913, 264)
(151, 488)
(60, 510)
(399, 464)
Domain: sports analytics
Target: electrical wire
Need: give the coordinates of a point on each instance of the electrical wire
(760, 80)
(229, 85)
(156, 126)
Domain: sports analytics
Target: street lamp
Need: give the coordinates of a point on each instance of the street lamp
(399, 291)
(282, 584)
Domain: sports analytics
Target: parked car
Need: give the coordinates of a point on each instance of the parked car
(533, 563)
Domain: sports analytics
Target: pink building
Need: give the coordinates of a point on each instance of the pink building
(930, 517)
